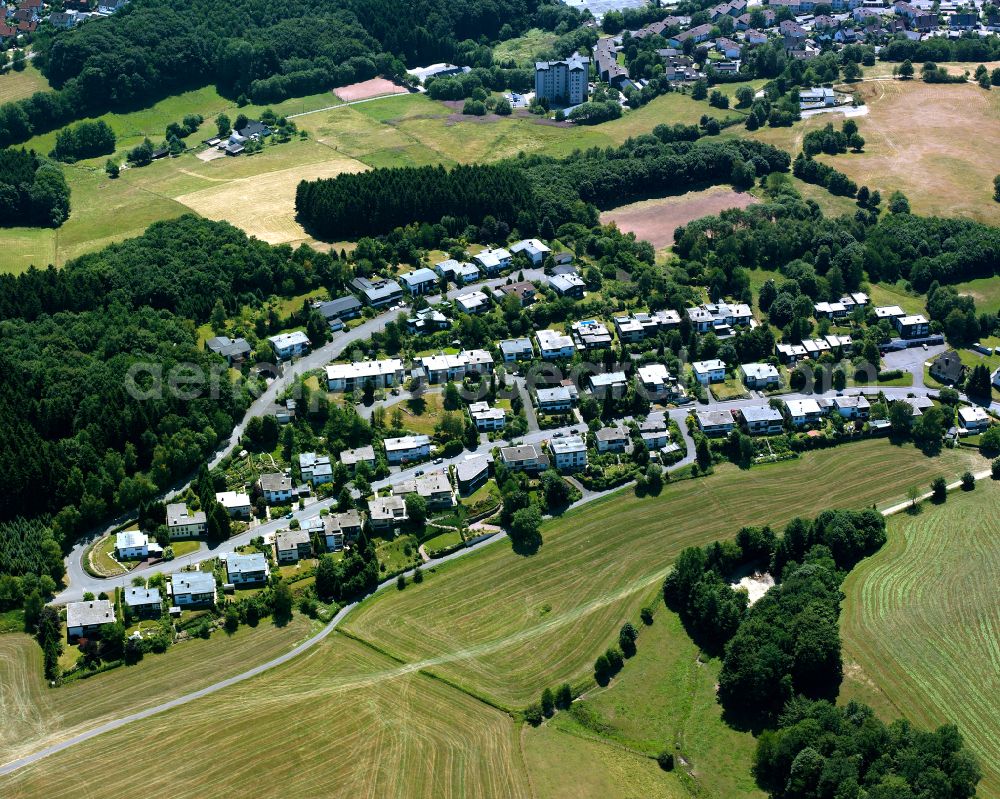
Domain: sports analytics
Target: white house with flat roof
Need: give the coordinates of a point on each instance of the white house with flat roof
(442, 368)
(472, 302)
(236, 503)
(804, 411)
(131, 545)
(762, 420)
(888, 312)
(568, 453)
(143, 602)
(315, 469)
(657, 382)
(407, 448)
(554, 400)
(715, 423)
(973, 417)
(353, 376)
(713, 371)
(554, 345)
(487, 418)
(288, 345)
(852, 407)
(516, 349)
(760, 375)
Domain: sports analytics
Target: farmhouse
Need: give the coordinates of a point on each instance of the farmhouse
(353, 376)
(533, 249)
(407, 448)
(377, 293)
(554, 345)
(713, 371)
(760, 375)
(472, 473)
(193, 588)
(143, 602)
(352, 457)
(762, 420)
(276, 488)
(442, 368)
(386, 512)
(131, 545)
(288, 345)
(340, 527)
(315, 469)
(292, 546)
(715, 423)
(236, 503)
(183, 524)
(85, 619)
(568, 453)
(244, 570)
(419, 281)
(517, 349)
(487, 418)
(234, 350)
(525, 458)
(611, 439)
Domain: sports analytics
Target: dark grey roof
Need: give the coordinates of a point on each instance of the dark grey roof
(331, 309)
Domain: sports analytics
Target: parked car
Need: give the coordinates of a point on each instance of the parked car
(419, 473)
(439, 460)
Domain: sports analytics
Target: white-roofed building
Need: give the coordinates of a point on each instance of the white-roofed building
(315, 469)
(804, 411)
(973, 418)
(491, 261)
(487, 418)
(591, 334)
(193, 588)
(472, 302)
(143, 602)
(658, 384)
(442, 368)
(354, 376)
(419, 281)
(534, 249)
(251, 569)
(131, 545)
(554, 345)
(760, 375)
(288, 345)
(568, 453)
(557, 399)
(713, 371)
(85, 619)
(762, 420)
(715, 423)
(236, 503)
(407, 448)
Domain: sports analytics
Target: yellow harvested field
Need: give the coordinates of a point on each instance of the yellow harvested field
(264, 205)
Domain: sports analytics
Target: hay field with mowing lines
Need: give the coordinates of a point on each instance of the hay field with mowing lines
(18, 85)
(340, 721)
(921, 623)
(506, 626)
(35, 715)
(264, 205)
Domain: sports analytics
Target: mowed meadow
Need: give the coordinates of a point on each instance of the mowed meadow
(504, 626)
(921, 623)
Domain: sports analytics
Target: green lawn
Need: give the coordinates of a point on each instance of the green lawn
(392, 554)
(182, 548)
(420, 415)
(597, 563)
(101, 557)
(985, 291)
(920, 621)
(523, 50)
(443, 541)
(889, 294)
(18, 85)
(733, 388)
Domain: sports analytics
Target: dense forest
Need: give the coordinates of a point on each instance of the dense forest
(248, 48)
(33, 191)
(782, 666)
(527, 191)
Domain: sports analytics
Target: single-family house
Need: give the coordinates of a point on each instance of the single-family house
(889, 312)
(487, 418)
(591, 334)
(712, 371)
(288, 345)
(948, 368)
(611, 439)
(491, 261)
(458, 272)
(236, 503)
(472, 302)
(658, 384)
(557, 399)
(377, 293)
(292, 546)
(419, 281)
(144, 603)
(534, 249)
(604, 383)
(352, 457)
(472, 473)
(339, 309)
(442, 368)
(568, 453)
(804, 411)
(181, 523)
(568, 285)
(276, 488)
(315, 469)
(131, 545)
(852, 407)
(554, 345)
(760, 375)
(728, 47)
(386, 512)
(339, 528)
(85, 619)
(524, 458)
(354, 376)
(243, 570)
(234, 350)
(407, 448)
(517, 349)
(427, 320)
(523, 290)
(720, 317)
(762, 420)
(654, 433)
(973, 418)
(193, 589)
(715, 423)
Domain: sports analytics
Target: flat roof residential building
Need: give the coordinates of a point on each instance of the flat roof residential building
(437, 71)
(555, 399)
(85, 619)
(720, 317)
(790, 353)
(570, 285)
(713, 371)
(427, 320)
(715, 423)
(591, 334)
(236, 503)
(611, 439)
(601, 384)
(442, 368)
(568, 453)
(658, 383)
(915, 326)
(534, 249)
(472, 473)
(760, 375)
(340, 527)
(829, 310)
(233, 350)
(352, 457)
(487, 418)
(419, 281)
(973, 417)
(386, 512)
(554, 345)
(131, 545)
(288, 345)
(276, 488)
(638, 326)
(192, 588)
(377, 293)
(250, 569)
(181, 523)
(315, 469)
(144, 602)
(347, 307)
(472, 303)
(457, 271)
(523, 290)
(804, 411)
(888, 312)
(852, 407)
(846, 343)
(524, 458)
(407, 448)
(292, 546)
(762, 420)
(353, 376)
(517, 349)
(563, 82)
(491, 261)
